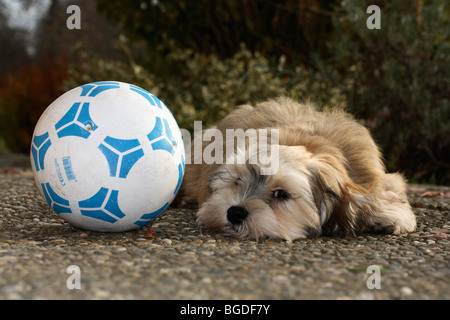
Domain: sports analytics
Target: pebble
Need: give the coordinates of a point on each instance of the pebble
(20, 208)
(406, 291)
(281, 279)
(58, 241)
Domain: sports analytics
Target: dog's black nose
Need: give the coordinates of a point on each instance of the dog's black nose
(236, 214)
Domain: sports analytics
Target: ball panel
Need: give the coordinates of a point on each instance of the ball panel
(56, 202)
(147, 95)
(149, 217)
(39, 147)
(125, 113)
(75, 168)
(121, 155)
(76, 122)
(102, 206)
(181, 168)
(93, 89)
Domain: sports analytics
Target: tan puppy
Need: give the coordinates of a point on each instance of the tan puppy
(330, 179)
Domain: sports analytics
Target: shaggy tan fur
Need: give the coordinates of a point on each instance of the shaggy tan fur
(331, 179)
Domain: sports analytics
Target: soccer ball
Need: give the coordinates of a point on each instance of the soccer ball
(108, 156)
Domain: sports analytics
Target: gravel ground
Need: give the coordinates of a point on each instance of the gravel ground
(37, 247)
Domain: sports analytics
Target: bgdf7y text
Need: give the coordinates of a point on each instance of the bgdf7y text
(246, 309)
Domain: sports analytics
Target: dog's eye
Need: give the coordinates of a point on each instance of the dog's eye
(280, 194)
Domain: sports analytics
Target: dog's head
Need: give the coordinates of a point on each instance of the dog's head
(309, 195)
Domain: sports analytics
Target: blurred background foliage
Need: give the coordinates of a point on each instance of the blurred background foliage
(203, 58)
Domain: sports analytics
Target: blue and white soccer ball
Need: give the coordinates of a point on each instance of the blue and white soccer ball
(108, 156)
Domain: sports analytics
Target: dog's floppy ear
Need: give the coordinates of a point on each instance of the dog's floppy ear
(339, 201)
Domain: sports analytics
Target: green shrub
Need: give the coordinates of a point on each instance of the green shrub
(206, 88)
(397, 80)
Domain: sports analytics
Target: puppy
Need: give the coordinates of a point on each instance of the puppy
(330, 178)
